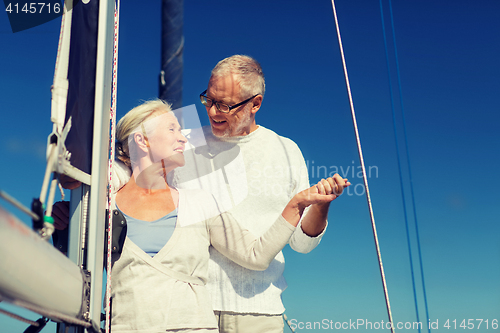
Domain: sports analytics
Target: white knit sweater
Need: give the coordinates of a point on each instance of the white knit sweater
(253, 177)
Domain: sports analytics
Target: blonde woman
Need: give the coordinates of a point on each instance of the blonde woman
(158, 280)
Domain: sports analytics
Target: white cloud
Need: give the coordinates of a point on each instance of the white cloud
(26, 146)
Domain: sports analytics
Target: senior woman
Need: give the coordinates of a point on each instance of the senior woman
(158, 280)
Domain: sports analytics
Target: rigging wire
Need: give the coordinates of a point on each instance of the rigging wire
(365, 179)
(399, 167)
(407, 160)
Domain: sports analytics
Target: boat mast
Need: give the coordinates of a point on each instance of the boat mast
(172, 49)
(88, 202)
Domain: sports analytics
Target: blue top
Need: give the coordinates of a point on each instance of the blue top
(152, 236)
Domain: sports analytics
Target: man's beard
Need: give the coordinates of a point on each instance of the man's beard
(243, 123)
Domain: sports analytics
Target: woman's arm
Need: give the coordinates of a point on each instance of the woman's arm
(238, 244)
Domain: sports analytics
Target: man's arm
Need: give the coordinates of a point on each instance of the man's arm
(314, 222)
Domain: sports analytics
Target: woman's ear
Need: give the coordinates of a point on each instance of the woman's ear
(141, 141)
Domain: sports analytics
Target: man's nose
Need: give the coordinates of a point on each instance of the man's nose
(213, 110)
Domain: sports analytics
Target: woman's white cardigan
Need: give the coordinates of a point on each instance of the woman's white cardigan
(167, 291)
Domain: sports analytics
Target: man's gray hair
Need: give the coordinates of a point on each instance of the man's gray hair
(248, 74)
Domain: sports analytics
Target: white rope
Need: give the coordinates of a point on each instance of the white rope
(60, 85)
(288, 323)
(365, 179)
(51, 159)
(24, 320)
(84, 229)
(110, 167)
(18, 205)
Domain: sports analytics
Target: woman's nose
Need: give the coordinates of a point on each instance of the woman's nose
(181, 138)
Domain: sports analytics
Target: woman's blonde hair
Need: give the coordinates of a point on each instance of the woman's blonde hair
(129, 123)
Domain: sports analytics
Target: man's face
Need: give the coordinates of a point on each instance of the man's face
(237, 122)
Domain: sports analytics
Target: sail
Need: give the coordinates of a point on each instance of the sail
(81, 83)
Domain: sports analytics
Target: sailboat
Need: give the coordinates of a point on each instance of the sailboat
(80, 147)
(336, 250)
(80, 101)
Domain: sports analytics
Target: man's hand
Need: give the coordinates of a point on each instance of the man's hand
(333, 185)
(324, 192)
(68, 182)
(329, 189)
(60, 213)
(320, 196)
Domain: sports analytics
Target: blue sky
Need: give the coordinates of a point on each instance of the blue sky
(450, 76)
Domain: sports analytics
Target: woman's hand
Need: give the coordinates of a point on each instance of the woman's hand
(324, 192)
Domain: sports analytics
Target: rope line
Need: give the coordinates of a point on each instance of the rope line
(365, 179)
(4, 195)
(110, 166)
(22, 319)
(412, 193)
(288, 323)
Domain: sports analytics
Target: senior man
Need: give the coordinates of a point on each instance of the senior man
(253, 173)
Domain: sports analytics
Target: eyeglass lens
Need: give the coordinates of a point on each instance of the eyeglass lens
(208, 103)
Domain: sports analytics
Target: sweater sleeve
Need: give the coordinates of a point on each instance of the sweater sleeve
(300, 241)
(303, 243)
(238, 244)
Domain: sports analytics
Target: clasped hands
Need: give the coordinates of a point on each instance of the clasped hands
(324, 192)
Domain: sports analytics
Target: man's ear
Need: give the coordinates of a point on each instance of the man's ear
(257, 102)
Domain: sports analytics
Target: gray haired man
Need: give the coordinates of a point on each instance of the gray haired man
(253, 172)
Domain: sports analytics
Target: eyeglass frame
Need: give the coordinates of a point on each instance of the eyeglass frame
(217, 104)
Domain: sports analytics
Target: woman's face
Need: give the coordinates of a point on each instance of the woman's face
(166, 141)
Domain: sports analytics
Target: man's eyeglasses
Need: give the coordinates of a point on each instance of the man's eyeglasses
(224, 108)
